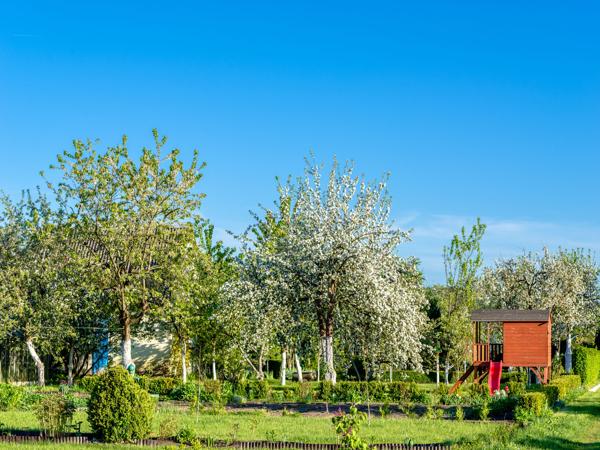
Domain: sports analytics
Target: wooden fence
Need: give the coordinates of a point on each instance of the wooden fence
(242, 445)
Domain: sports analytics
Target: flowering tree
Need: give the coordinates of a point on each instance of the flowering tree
(566, 282)
(337, 263)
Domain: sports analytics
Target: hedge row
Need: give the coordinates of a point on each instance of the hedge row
(586, 364)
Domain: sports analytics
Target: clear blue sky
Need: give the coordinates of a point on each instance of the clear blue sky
(484, 109)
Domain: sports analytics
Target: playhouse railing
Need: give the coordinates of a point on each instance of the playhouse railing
(486, 352)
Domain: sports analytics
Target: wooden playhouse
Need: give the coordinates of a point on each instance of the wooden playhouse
(512, 338)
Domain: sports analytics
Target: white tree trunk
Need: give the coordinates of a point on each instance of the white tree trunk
(38, 362)
(298, 367)
(70, 366)
(126, 343)
(283, 366)
(327, 350)
(214, 369)
(437, 369)
(569, 355)
(447, 372)
(183, 361)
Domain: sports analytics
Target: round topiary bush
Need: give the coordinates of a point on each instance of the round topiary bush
(118, 409)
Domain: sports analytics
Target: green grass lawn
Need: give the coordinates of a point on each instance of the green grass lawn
(575, 427)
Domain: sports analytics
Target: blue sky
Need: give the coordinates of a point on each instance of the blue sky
(484, 109)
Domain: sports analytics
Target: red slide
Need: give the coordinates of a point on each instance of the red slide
(494, 376)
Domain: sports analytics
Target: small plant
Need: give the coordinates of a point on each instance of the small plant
(271, 435)
(347, 427)
(459, 413)
(384, 410)
(186, 436)
(168, 427)
(484, 410)
(55, 414)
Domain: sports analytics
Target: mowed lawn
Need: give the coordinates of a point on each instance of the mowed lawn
(575, 427)
(270, 426)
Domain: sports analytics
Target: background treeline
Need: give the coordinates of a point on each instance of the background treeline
(117, 247)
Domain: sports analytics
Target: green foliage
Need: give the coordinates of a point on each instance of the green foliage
(187, 436)
(586, 364)
(163, 386)
(185, 391)
(119, 409)
(565, 385)
(11, 396)
(515, 376)
(55, 413)
(410, 375)
(87, 383)
(483, 410)
(530, 405)
(377, 391)
(516, 387)
(459, 413)
(347, 427)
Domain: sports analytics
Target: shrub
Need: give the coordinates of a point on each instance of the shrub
(55, 413)
(185, 391)
(533, 402)
(551, 391)
(257, 389)
(87, 383)
(517, 376)
(118, 408)
(305, 391)
(186, 436)
(566, 385)
(516, 387)
(325, 391)
(11, 396)
(586, 364)
(160, 385)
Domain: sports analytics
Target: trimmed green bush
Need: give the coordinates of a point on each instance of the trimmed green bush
(566, 384)
(586, 364)
(411, 375)
(119, 410)
(552, 393)
(533, 403)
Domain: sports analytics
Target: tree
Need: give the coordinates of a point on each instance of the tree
(33, 305)
(337, 260)
(130, 220)
(462, 260)
(565, 282)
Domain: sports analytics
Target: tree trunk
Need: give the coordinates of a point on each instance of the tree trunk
(447, 372)
(214, 361)
(298, 367)
(38, 362)
(260, 372)
(183, 361)
(70, 366)
(568, 354)
(283, 366)
(437, 369)
(327, 350)
(126, 340)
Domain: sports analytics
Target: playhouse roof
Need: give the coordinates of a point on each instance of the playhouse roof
(510, 315)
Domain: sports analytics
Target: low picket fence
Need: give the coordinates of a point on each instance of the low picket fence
(242, 445)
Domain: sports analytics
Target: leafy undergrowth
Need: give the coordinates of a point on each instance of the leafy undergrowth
(575, 427)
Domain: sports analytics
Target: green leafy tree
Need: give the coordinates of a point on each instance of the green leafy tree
(462, 261)
(34, 306)
(129, 220)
